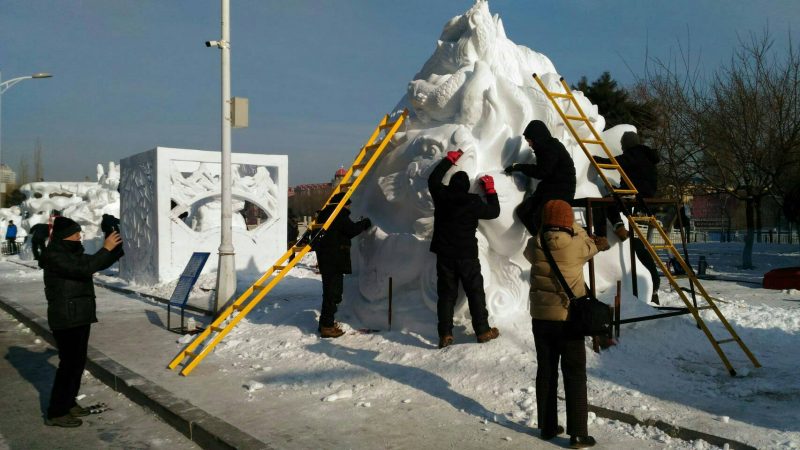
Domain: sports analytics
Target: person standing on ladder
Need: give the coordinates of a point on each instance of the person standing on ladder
(455, 220)
(638, 161)
(333, 257)
(554, 169)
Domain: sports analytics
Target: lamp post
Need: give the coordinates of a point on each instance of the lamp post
(226, 268)
(4, 86)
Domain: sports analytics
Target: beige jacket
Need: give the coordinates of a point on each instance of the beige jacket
(548, 300)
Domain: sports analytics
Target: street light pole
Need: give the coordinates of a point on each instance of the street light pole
(226, 268)
(4, 86)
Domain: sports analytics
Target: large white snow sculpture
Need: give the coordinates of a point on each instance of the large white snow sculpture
(476, 92)
(170, 209)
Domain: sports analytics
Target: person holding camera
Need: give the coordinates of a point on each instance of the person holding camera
(71, 310)
(333, 258)
(455, 220)
(571, 248)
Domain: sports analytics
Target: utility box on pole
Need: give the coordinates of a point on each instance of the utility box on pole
(240, 112)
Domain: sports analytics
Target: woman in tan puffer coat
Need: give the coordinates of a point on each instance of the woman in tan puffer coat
(571, 247)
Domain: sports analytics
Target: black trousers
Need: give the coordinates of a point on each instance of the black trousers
(72, 346)
(332, 289)
(468, 271)
(646, 259)
(554, 343)
(12, 246)
(37, 247)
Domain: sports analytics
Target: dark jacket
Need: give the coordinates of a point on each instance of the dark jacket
(639, 164)
(68, 283)
(108, 225)
(554, 167)
(333, 248)
(456, 213)
(40, 232)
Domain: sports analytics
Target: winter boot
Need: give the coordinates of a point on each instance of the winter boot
(66, 421)
(486, 336)
(602, 243)
(331, 332)
(654, 298)
(446, 341)
(581, 441)
(79, 411)
(621, 231)
(550, 436)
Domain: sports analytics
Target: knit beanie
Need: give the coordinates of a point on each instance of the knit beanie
(64, 227)
(557, 213)
(460, 181)
(629, 139)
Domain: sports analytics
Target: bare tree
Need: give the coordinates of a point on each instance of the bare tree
(750, 122)
(37, 161)
(24, 177)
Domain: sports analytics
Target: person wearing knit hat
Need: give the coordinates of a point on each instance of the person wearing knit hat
(456, 213)
(554, 169)
(571, 248)
(638, 161)
(333, 258)
(71, 310)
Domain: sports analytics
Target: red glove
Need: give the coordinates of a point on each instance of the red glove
(453, 156)
(488, 184)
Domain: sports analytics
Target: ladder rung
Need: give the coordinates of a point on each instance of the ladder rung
(581, 118)
(216, 329)
(315, 226)
(387, 126)
(238, 307)
(371, 147)
(641, 218)
(590, 141)
(343, 187)
(278, 268)
(299, 248)
(559, 95)
(358, 166)
(625, 191)
(703, 308)
(188, 353)
(608, 166)
(725, 341)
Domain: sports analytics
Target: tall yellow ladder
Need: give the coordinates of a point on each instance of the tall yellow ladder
(202, 345)
(636, 221)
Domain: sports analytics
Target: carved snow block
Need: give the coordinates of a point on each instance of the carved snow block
(170, 208)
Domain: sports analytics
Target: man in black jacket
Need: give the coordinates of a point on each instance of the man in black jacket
(455, 221)
(638, 161)
(554, 169)
(70, 311)
(333, 258)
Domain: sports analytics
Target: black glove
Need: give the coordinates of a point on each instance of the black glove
(366, 223)
(509, 169)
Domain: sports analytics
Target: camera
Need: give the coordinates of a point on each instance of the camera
(212, 44)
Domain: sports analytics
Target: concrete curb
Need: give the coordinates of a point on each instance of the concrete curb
(202, 428)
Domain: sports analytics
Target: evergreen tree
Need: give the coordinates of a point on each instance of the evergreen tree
(616, 104)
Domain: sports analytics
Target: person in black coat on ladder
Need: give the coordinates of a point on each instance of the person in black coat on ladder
(455, 221)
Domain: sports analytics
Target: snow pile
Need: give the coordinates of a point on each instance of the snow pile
(476, 93)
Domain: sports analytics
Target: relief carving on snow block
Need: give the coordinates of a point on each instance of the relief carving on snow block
(187, 209)
(476, 93)
(138, 222)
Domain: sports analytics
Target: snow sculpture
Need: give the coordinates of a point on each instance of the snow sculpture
(170, 208)
(476, 92)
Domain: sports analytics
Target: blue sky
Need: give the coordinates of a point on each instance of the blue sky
(131, 75)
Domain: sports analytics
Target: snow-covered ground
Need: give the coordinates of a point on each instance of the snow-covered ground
(663, 369)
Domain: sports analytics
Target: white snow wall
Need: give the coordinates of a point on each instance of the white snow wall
(476, 92)
(170, 208)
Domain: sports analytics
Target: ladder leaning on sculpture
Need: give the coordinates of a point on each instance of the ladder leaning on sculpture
(199, 348)
(648, 219)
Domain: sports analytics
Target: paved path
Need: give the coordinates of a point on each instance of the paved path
(27, 370)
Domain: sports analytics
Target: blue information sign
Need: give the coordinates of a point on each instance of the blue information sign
(185, 283)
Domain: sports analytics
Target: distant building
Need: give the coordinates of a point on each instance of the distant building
(307, 199)
(7, 175)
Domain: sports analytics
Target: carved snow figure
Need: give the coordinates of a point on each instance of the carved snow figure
(476, 93)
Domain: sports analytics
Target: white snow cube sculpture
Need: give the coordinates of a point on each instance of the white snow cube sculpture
(170, 208)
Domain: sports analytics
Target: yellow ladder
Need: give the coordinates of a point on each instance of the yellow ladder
(650, 220)
(202, 345)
